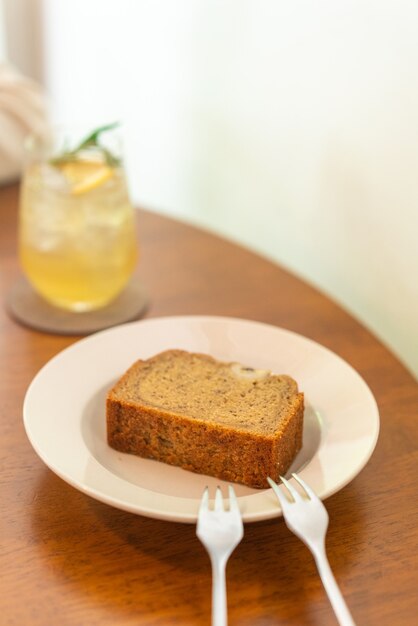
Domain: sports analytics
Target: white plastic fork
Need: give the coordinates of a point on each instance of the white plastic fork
(307, 518)
(220, 531)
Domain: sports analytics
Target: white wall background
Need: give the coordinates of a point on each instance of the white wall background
(289, 126)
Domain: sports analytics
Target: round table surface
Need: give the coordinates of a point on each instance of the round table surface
(70, 560)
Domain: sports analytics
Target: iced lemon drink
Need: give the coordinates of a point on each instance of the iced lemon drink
(77, 240)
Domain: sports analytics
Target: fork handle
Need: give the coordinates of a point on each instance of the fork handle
(332, 589)
(219, 610)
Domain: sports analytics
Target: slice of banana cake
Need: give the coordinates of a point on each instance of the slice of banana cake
(222, 419)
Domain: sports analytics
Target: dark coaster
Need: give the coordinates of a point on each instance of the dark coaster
(28, 308)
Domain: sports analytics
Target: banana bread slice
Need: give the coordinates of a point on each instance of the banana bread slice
(222, 419)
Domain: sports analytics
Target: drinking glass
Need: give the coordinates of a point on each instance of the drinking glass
(77, 238)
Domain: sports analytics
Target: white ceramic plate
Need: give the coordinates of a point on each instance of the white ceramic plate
(64, 414)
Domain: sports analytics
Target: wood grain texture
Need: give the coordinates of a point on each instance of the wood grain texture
(67, 559)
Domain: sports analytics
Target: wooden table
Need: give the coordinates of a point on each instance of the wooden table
(69, 560)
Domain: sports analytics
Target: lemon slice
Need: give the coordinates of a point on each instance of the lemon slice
(85, 176)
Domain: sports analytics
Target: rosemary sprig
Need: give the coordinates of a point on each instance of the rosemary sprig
(91, 142)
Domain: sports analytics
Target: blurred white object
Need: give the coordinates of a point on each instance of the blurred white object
(22, 112)
(307, 518)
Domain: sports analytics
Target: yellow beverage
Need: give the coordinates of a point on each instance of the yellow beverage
(77, 239)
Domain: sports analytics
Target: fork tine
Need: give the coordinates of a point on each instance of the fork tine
(233, 502)
(280, 495)
(218, 500)
(204, 503)
(306, 487)
(295, 495)
(232, 498)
